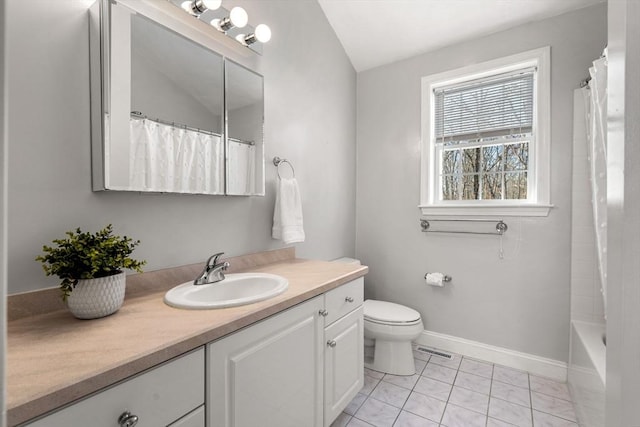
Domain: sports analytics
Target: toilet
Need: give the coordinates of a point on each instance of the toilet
(389, 329)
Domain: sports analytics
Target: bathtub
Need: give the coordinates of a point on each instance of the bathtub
(587, 372)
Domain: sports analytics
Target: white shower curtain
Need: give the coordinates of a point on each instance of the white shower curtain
(596, 107)
(170, 159)
(241, 179)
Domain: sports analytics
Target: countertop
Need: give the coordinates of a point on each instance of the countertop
(54, 359)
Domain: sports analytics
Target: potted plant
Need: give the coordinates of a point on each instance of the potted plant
(91, 268)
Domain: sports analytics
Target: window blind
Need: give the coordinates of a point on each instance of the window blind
(496, 106)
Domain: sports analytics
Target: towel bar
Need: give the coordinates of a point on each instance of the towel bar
(277, 161)
(501, 226)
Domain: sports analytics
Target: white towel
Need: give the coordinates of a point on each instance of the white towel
(287, 215)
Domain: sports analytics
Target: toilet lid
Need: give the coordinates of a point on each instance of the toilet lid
(383, 311)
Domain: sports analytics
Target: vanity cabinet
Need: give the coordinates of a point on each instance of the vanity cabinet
(300, 367)
(344, 351)
(270, 373)
(171, 394)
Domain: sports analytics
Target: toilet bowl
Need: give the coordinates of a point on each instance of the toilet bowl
(390, 328)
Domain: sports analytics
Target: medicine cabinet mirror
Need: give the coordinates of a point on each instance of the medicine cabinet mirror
(169, 114)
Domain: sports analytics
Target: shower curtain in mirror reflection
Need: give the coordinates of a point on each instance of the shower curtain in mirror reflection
(171, 159)
(596, 106)
(242, 163)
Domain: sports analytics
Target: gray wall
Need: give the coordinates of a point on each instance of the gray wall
(309, 118)
(522, 301)
(173, 102)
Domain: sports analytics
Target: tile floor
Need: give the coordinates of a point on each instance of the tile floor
(459, 392)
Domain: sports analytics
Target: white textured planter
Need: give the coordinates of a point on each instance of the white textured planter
(93, 298)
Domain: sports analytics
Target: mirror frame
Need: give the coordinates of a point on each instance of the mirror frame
(101, 86)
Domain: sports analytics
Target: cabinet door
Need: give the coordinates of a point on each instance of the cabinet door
(343, 363)
(270, 373)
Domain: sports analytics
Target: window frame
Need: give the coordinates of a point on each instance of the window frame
(538, 201)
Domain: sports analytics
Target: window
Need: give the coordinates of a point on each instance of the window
(485, 138)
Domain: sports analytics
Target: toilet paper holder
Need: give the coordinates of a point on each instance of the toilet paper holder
(444, 279)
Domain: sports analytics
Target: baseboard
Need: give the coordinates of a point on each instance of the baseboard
(514, 359)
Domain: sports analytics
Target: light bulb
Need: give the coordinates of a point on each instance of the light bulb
(186, 5)
(212, 4)
(238, 17)
(198, 7)
(263, 33)
(216, 24)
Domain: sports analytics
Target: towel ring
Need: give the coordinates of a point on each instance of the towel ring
(277, 161)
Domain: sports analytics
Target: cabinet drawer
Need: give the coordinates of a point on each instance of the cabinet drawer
(157, 397)
(192, 419)
(343, 299)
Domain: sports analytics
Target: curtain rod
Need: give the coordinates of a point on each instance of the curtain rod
(139, 116)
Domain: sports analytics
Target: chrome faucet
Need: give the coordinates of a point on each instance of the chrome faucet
(213, 271)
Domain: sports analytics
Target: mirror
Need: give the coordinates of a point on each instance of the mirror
(245, 116)
(159, 122)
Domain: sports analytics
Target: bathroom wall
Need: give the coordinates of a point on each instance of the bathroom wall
(520, 302)
(182, 107)
(309, 118)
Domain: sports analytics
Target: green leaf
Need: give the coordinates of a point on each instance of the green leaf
(84, 255)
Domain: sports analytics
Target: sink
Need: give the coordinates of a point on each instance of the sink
(236, 289)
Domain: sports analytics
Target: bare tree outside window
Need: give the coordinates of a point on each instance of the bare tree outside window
(488, 172)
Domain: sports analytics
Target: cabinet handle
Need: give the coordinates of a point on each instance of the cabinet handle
(323, 313)
(348, 299)
(332, 343)
(127, 419)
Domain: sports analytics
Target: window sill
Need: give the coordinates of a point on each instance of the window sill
(486, 210)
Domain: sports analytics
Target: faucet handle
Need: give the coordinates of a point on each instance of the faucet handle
(213, 259)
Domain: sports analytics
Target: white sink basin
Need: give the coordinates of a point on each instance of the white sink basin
(236, 289)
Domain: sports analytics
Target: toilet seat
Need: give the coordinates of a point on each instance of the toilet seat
(388, 313)
(382, 322)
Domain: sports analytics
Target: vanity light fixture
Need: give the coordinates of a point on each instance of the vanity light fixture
(261, 34)
(237, 18)
(233, 23)
(198, 7)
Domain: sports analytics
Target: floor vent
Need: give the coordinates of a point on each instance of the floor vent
(434, 352)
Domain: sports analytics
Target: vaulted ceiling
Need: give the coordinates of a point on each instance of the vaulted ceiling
(378, 32)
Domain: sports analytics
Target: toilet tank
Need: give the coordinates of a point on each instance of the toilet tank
(347, 260)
